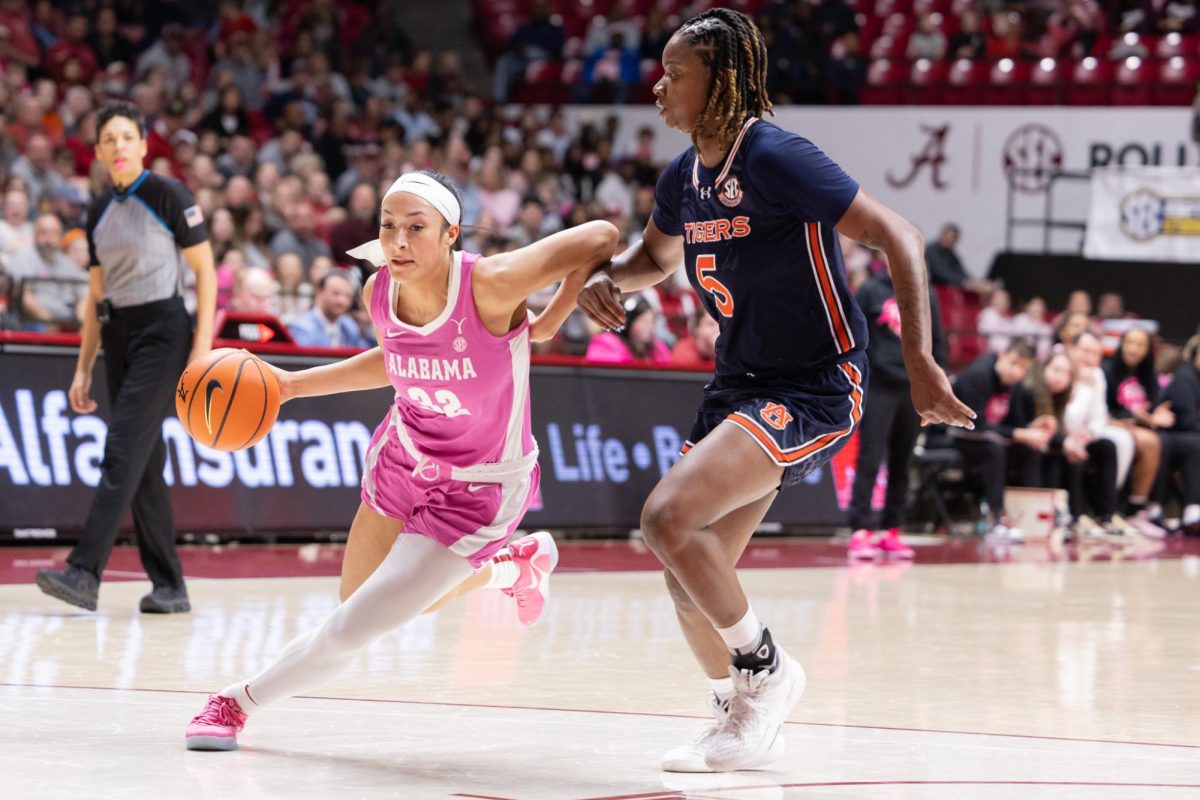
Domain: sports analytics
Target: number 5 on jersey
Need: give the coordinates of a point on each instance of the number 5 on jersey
(721, 294)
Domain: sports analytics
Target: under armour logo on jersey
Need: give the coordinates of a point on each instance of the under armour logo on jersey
(705, 192)
(458, 323)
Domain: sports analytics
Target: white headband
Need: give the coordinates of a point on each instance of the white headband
(424, 187)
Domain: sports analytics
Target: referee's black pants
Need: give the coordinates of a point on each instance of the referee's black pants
(145, 349)
(889, 428)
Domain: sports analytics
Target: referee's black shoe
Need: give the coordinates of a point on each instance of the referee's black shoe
(71, 585)
(164, 600)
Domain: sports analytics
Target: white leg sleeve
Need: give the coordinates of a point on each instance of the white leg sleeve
(1124, 442)
(416, 572)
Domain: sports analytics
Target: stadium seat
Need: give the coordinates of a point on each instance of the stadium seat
(1176, 84)
(1045, 84)
(572, 71)
(1089, 83)
(887, 47)
(927, 82)
(1007, 83)
(887, 8)
(898, 26)
(965, 82)
(543, 84)
(1174, 44)
(930, 7)
(885, 83)
(869, 29)
(1131, 86)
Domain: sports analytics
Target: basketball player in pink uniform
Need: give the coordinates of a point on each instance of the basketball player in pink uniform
(453, 467)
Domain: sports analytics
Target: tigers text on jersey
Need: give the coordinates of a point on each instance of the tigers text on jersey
(462, 393)
(761, 251)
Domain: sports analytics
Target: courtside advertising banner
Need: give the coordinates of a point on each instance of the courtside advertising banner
(1145, 214)
(606, 437)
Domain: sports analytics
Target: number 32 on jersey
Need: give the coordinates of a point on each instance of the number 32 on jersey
(721, 294)
(443, 401)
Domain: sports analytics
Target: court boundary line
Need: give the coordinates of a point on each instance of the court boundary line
(662, 715)
(673, 794)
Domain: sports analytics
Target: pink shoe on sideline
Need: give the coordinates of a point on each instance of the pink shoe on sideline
(861, 545)
(217, 726)
(1141, 521)
(890, 544)
(536, 556)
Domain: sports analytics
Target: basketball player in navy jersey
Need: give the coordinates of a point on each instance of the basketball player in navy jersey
(752, 212)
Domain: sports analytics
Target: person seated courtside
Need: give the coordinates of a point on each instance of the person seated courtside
(1181, 442)
(1002, 443)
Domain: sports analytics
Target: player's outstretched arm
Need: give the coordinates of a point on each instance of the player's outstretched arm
(877, 226)
(543, 326)
(365, 370)
(501, 283)
(641, 266)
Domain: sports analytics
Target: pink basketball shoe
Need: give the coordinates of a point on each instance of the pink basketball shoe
(217, 726)
(890, 544)
(861, 545)
(536, 556)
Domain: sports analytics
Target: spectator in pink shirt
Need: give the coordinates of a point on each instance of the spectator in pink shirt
(635, 343)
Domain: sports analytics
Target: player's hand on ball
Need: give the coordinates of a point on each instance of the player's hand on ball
(287, 386)
(199, 349)
(934, 399)
(600, 299)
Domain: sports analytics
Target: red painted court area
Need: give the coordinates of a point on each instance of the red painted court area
(20, 564)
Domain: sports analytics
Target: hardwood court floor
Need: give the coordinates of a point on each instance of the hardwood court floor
(1017, 676)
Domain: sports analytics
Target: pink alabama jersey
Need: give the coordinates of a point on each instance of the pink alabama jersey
(462, 393)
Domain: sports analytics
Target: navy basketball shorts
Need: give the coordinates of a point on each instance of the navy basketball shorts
(801, 423)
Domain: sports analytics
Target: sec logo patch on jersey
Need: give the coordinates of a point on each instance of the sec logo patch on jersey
(731, 192)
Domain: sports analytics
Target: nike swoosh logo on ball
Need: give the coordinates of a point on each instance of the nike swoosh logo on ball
(212, 386)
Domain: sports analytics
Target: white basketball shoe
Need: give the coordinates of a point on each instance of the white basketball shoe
(691, 756)
(536, 556)
(754, 723)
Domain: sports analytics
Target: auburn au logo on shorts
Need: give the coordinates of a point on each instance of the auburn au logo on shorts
(731, 192)
(776, 416)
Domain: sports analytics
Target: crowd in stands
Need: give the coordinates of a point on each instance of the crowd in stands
(844, 51)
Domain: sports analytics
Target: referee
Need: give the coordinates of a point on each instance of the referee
(140, 233)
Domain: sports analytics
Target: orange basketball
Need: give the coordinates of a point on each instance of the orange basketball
(228, 399)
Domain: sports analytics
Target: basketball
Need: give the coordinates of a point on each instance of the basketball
(228, 399)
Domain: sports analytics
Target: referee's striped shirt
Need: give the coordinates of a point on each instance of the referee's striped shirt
(135, 238)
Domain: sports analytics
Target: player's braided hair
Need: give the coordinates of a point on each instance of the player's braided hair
(732, 47)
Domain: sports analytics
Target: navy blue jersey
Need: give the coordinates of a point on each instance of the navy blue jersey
(761, 252)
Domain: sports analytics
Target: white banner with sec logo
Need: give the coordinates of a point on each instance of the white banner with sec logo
(1145, 213)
